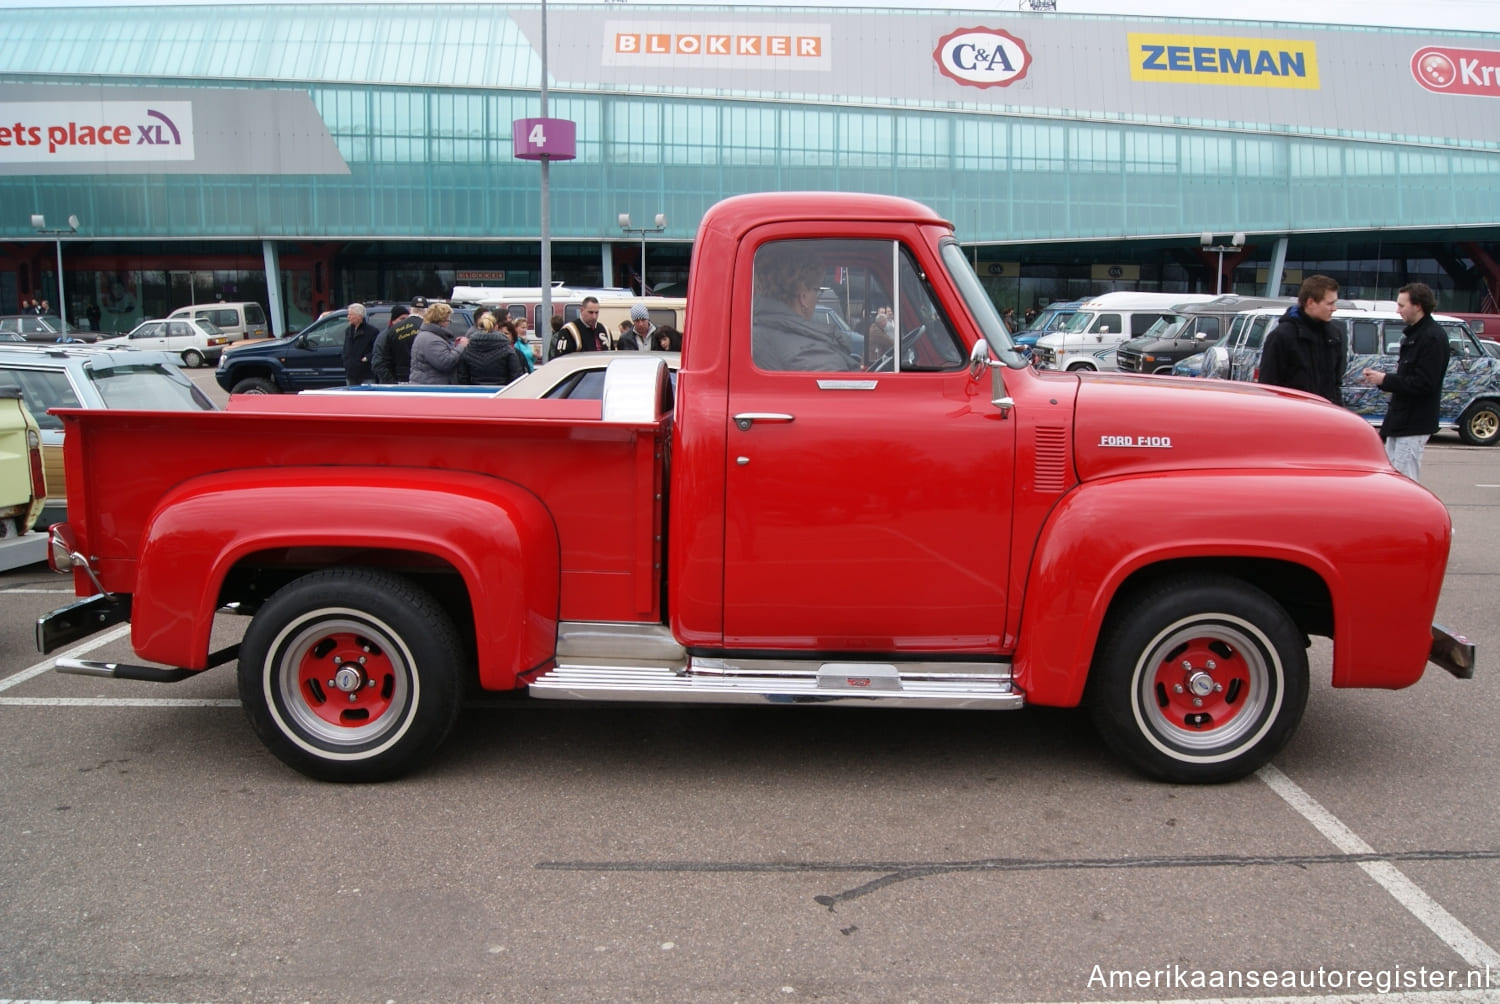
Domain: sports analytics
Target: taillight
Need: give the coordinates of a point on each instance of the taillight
(38, 475)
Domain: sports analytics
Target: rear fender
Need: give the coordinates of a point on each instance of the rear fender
(1335, 525)
(496, 534)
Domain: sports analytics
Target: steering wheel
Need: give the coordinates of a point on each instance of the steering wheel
(887, 359)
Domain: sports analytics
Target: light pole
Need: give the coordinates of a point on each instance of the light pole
(661, 224)
(1235, 245)
(39, 224)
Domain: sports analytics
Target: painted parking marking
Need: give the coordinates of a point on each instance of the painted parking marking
(1464, 942)
(37, 670)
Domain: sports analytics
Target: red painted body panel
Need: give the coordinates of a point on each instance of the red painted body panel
(1384, 586)
(497, 535)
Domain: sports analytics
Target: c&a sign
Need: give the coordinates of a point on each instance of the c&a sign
(95, 131)
(982, 57)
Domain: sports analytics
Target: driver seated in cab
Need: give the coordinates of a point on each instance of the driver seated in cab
(784, 335)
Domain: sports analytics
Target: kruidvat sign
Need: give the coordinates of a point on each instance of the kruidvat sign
(982, 57)
(1445, 70)
(1232, 61)
(70, 132)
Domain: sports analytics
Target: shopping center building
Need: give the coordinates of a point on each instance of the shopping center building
(307, 156)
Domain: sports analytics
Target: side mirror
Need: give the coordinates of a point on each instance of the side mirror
(1216, 362)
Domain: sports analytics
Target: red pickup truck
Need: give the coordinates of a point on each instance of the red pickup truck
(924, 521)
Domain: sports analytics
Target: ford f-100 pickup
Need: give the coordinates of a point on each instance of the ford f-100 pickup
(920, 521)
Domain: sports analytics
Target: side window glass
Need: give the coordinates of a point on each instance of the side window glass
(42, 389)
(1257, 332)
(1207, 327)
(329, 331)
(1107, 322)
(1392, 337)
(1364, 339)
(894, 322)
(178, 330)
(1141, 323)
(148, 331)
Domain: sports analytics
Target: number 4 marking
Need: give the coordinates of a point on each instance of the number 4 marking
(537, 136)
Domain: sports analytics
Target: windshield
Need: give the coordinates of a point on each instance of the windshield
(981, 307)
(1166, 326)
(1080, 321)
(147, 387)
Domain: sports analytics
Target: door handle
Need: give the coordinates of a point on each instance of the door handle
(745, 419)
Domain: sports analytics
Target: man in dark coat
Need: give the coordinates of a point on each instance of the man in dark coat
(392, 356)
(1308, 349)
(583, 333)
(1416, 388)
(359, 345)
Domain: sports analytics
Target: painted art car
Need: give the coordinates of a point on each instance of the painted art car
(87, 376)
(197, 341)
(1471, 387)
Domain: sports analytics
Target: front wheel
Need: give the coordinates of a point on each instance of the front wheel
(254, 385)
(1480, 424)
(1199, 681)
(351, 674)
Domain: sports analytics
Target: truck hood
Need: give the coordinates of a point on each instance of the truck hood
(1129, 424)
(258, 347)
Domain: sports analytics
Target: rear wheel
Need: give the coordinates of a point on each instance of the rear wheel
(192, 358)
(351, 674)
(1199, 680)
(254, 385)
(1479, 425)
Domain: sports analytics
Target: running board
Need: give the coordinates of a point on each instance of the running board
(583, 673)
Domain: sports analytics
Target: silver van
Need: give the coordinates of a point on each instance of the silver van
(237, 320)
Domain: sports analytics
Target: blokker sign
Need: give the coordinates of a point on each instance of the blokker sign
(96, 131)
(1446, 70)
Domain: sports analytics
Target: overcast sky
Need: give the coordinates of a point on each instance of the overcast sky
(1464, 15)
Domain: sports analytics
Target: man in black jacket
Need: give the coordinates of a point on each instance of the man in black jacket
(1307, 350)
(583, 333)
(1416, 388)
(359, 343)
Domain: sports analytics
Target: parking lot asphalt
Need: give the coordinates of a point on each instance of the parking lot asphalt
(152, 850)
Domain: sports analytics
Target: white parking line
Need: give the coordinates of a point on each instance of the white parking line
(118, 702)
(99, 641)
(1406, 892)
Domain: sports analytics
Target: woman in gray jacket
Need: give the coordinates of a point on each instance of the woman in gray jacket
(435, 352)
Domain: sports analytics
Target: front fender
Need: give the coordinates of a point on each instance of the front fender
(1378, 541)
(496, 534)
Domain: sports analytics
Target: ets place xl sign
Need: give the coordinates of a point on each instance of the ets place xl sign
(61, 132)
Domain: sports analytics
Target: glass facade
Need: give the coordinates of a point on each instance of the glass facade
(419, 102)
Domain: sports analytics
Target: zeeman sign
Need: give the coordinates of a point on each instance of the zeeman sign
(1236, 62)
(96, 131)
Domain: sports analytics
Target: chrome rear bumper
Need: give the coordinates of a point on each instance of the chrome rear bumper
(1453, 652)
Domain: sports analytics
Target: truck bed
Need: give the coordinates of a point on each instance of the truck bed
(602, 482)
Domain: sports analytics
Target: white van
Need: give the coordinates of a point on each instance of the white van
(1089, 340)
(237, 321)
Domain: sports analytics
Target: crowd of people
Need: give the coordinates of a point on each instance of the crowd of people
(419, 347)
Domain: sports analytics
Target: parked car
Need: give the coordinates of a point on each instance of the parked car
(1100, 325)
(87, 376)
(1471, 388)
(577, 375)
(1052, 317)
(44, 328)
(1490, 346)
(23, 490)
(238, 321)
(196, 341)
(312, 358)
(1191, 328)
(11, 337)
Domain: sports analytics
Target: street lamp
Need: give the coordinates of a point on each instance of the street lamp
(661, 224)
(39, 224)
(1236, 243)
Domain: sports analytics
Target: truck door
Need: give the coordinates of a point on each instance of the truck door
(868, 489)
